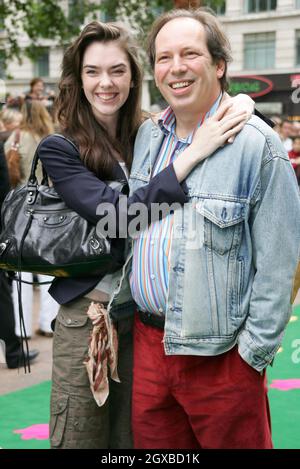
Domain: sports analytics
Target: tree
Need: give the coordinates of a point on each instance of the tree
(46, 20)
(141, 13)
(39, 20)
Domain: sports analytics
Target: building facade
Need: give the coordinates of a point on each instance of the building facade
(265, 40)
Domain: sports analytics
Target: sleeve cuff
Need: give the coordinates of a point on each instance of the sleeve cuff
(178, 191)
(252, 354)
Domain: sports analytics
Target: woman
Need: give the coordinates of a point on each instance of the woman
(36, 123)
(37, 92)
(99, 109)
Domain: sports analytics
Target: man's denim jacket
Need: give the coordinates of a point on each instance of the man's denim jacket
(235, 247)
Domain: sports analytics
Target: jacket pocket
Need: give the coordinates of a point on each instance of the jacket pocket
(222, 223)
(58, 418)
(69, 321)
(240, 284)
(72, 332)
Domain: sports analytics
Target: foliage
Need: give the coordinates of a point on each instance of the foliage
(46, 19)
(141, 13)
(40, 20)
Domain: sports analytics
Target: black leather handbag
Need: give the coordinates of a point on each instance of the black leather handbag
(40, 234)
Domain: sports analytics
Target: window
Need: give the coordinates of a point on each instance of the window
(76, 12)
(2, 64)
(298, 47)
(257, 6)
(107, 17)
(297, 3)
(41, 65)
(219, 9)
(259, 51)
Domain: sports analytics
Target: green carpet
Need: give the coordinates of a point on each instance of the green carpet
(285, 404)
(27, 411)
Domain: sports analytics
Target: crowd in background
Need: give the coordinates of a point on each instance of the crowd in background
(10, 116)
(30, 117)
(289, 133)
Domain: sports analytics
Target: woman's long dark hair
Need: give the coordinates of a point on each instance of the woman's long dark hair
(74, 112)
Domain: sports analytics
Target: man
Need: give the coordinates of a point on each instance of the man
(212, 281)
(285, 133)
(294, 156)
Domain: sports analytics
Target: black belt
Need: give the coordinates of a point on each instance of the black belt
(151, 319)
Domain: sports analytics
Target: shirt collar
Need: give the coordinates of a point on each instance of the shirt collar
(167, 120)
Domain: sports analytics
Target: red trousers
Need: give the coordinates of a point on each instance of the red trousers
(191, 402)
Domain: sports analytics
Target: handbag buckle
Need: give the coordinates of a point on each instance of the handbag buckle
(3, 246)
(94, 244)
(31, 193)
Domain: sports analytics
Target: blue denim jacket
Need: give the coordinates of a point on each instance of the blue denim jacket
(235, 247)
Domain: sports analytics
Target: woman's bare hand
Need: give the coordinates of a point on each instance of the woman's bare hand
(240, 102)
(217, 130)
(213, 133)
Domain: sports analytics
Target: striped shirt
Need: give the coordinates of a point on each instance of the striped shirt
(149, 277)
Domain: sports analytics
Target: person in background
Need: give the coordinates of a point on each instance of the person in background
(277, 121)
(294, 156)
(296, 126)
(285, 133)
(37, 92)
(99, 109)
(10, 120)
(36, 124)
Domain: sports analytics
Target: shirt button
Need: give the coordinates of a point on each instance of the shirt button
(160, 310)
(152, 276)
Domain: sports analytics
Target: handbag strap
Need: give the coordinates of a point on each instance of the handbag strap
(32, 187)
(25, 357)
(32, 177)
(17, 137)
(32, 183)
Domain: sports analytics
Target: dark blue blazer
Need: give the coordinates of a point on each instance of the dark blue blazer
(83, 191)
